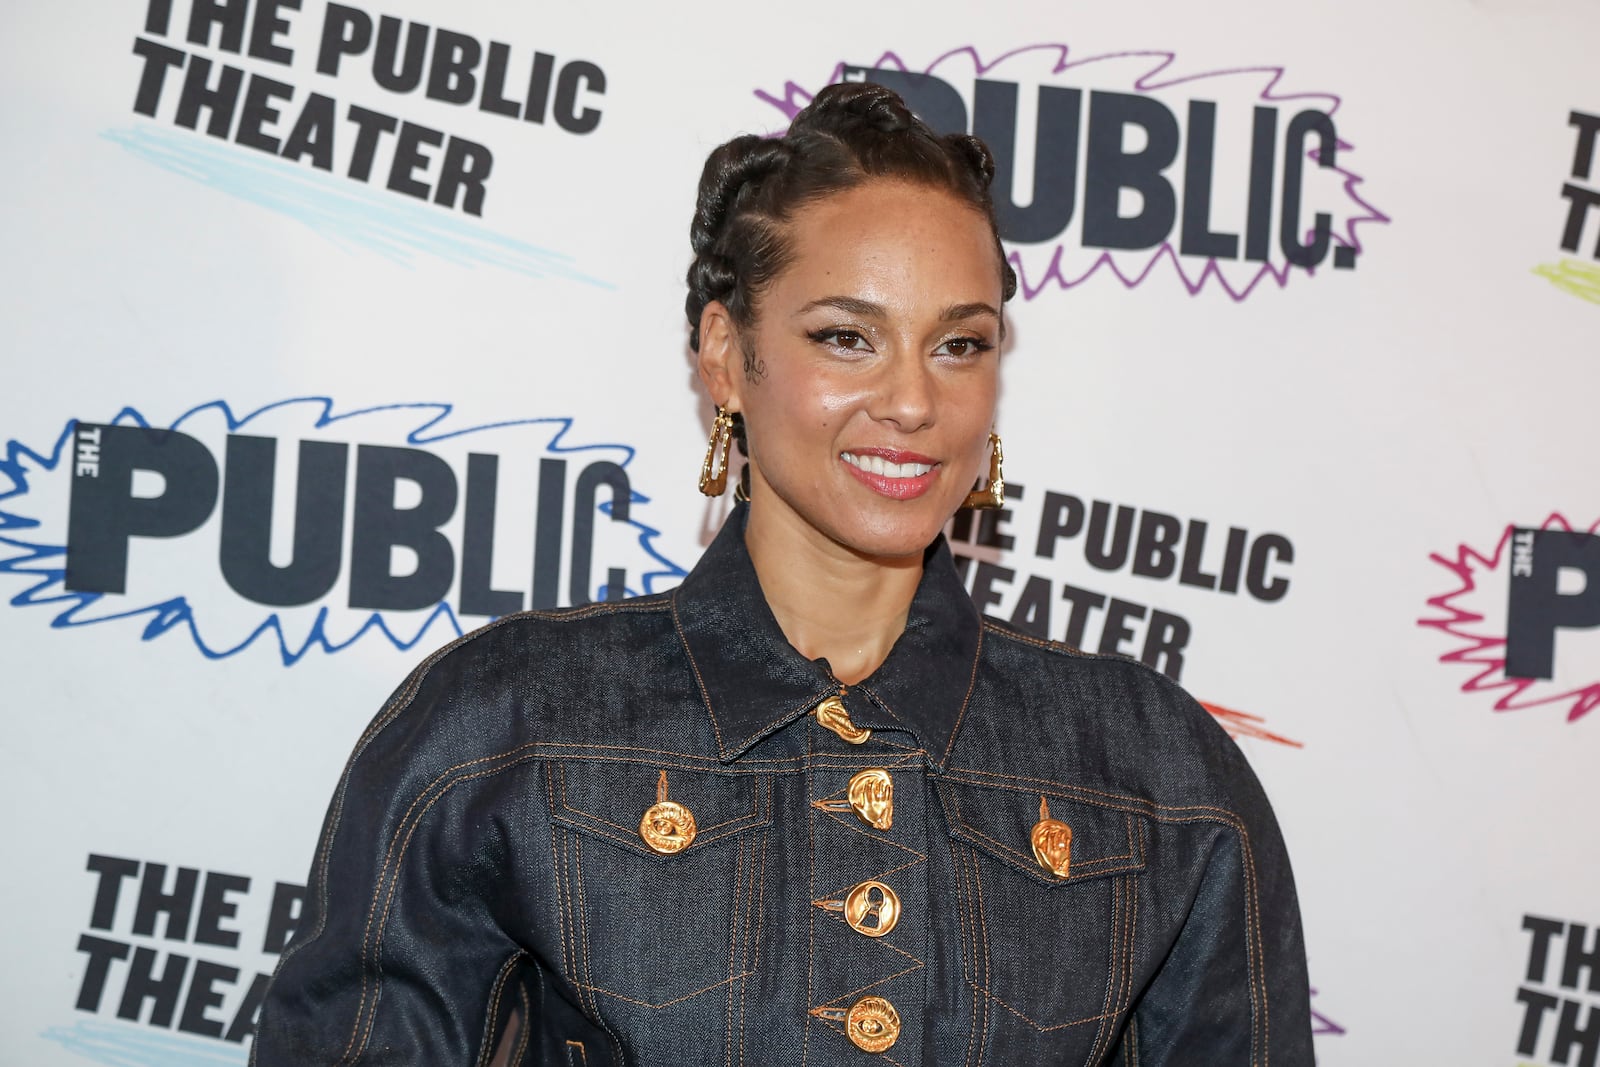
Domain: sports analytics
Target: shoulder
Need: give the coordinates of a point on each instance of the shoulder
(529, 641)
(519, 681)
(1112, 720)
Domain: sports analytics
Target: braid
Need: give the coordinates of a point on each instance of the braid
(751, 185)
(728, 173)
(731, 180)
(864, 105)
(976, 154)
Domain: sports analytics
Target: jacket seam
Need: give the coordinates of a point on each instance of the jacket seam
(966, 700)
(1113, 958)
(969, 943)
(387, 885)
(484, 1046)
(1080, 793)
(525, 1029)
(699, 680)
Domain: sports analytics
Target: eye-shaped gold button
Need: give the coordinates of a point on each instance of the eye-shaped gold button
(872, 908)
(872, 1024)
(833, 714)
(1052, 842)
(667, 826)
(872, 797)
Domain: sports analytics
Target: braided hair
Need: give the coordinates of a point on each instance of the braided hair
(752, 186)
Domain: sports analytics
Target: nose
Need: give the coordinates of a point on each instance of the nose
(904, 393)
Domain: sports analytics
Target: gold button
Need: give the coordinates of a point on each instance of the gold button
(1052, 842)
(667, 826)
(872, 901)
(872, 797)
(873, 1024)
(833, 714)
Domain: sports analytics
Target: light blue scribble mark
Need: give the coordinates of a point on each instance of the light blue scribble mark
(45, 563)
(127, 1045)
(343, 211)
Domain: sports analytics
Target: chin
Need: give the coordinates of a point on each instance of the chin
(890, 536)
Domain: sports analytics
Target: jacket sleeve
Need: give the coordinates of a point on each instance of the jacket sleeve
(1233, 988)
(398, 957)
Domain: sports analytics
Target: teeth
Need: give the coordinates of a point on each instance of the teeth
(882, 467)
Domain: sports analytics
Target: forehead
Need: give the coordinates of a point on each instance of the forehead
(894, 242)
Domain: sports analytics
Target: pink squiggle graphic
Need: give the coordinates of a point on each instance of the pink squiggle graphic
(793, 97)
(1482, 642)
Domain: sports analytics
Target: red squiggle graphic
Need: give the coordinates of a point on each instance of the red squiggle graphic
(1243, 724)
(1482, 642)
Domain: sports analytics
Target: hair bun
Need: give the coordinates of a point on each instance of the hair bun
(868, 103)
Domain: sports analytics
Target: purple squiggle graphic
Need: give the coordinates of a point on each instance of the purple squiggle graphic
(1194, 272)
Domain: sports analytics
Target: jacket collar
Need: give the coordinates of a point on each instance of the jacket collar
(754, 682)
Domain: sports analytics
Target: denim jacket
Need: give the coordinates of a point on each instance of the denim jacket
(486, 890)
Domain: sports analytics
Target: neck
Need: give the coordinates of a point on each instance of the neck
(829, 601)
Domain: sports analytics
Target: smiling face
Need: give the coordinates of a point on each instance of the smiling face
(873, 367)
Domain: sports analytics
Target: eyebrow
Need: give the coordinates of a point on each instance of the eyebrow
(867, 309)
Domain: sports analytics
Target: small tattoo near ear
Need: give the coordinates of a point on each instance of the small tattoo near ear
(755, 368)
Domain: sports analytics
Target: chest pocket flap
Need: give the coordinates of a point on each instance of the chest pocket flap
(1001, 821)
(610, 800)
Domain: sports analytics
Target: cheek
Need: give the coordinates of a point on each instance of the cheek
(810, 402)
(971, 402)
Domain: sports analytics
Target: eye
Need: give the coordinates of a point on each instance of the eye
(964, 347)
(841, 337)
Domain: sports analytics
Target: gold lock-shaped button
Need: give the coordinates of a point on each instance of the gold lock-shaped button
(872, 1024)
(872, 908)
(1052, 842)
(667, 826)
(832, 713)
(871, 796)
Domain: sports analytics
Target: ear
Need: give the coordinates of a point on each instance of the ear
(721, 360)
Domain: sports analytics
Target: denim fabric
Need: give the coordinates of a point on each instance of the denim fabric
(481, 893)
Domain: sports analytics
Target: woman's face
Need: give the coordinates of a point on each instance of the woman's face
(868, 380)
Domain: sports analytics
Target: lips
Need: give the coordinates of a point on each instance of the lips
(890, 472)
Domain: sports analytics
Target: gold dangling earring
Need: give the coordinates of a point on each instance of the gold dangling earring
(714, 475)
(992, 495)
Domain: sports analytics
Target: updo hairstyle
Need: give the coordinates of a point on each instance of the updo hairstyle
(753, 185)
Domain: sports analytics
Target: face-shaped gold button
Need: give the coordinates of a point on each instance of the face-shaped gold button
(1052, 842)
(872, 1024)
(872, 908)
(833, 714)
(872, 797)
(667, 826)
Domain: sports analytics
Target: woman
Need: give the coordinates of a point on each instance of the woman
(809, 807)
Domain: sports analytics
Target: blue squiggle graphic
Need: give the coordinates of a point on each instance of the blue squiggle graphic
(124, 1045)
(45, 564)
(343, 211)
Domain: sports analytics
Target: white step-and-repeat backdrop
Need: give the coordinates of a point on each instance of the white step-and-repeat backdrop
(1300, 409)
